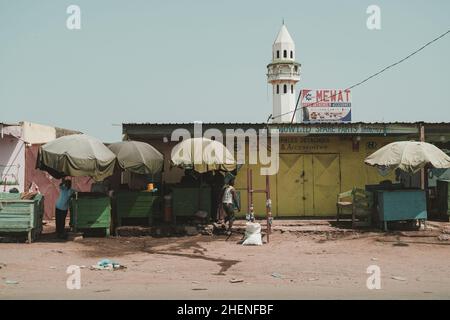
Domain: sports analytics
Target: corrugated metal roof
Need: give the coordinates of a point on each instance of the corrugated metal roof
(8, 124)
(298, 123)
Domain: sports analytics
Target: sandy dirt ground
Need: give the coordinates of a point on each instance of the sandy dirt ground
(294, 265)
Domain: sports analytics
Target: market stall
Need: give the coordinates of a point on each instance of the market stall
(404, 204)
(138, 158)
(205, 162)
(80, 155)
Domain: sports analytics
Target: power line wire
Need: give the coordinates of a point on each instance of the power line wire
(372, 76)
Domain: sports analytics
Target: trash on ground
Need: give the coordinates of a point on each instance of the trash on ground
(107, 264)
(236, 280)
(313, 279)
(11, 282)
(277, 275)
(444, 237)
(398, 278)
(199, 289)
(74, 236)
(206, 230)
(252, 234)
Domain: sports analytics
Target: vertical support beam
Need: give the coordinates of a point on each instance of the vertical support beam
(248, 191)
(268, 209)
(423, 170)
(252, 208)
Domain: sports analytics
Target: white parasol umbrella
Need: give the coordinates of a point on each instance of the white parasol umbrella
(202, 155)
(409, 156)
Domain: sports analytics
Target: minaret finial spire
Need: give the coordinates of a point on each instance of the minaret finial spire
(283, 21)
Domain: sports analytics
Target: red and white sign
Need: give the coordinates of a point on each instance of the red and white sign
(326, 105)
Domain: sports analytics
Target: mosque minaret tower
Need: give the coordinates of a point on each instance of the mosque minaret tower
(283, 73)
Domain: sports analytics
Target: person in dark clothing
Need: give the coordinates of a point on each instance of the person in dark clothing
(62, 206)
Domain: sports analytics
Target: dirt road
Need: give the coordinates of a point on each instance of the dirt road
(292, 266)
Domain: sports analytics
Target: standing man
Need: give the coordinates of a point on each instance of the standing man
(62, 206)
(230, 201)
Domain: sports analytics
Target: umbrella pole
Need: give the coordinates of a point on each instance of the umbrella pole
(423, 170)
(200, 193)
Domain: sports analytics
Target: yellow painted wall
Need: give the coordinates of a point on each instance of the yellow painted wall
(353, 173)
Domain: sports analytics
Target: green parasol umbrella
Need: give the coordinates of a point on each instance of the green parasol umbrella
(138, 157)
(76, 155)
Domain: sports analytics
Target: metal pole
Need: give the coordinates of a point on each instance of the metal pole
(268, 209)
(248, 191)
(422, 171)
(252, 208)
(296, 106)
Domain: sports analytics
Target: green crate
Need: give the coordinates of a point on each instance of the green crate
(21, 216)
(137, 204)
(91, 211)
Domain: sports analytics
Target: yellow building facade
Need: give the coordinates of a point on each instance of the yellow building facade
(312, 172)
(316, 162)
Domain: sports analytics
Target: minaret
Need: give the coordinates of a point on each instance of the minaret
(283, 73)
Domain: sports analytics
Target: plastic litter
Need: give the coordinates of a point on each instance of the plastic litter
(236, 280)
(398, 278)
(107, 264)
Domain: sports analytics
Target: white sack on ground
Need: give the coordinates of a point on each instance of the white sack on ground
(252, 234)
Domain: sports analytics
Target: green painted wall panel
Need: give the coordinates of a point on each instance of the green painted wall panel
(187, 201)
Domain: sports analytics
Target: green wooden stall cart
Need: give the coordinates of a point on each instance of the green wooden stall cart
(21, 216)
(137, 204)
(90, 210)
(401, 205)
(189, 200)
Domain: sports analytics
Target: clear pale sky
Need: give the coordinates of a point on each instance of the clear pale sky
(181, 61)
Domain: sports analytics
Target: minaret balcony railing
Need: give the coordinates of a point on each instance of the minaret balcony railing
(283, 76)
